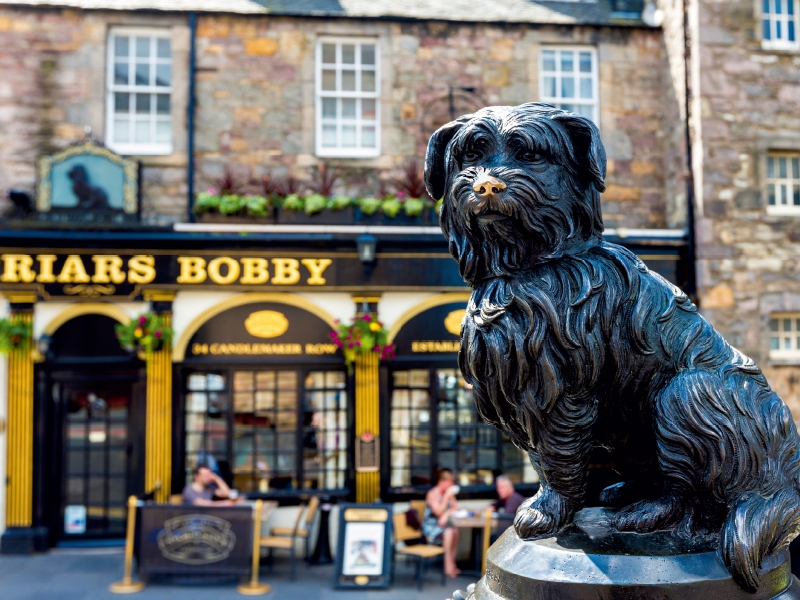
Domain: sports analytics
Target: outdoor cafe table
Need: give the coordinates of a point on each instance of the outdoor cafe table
(476, 524)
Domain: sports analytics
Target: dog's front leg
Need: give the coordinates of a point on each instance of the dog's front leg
(564, 442)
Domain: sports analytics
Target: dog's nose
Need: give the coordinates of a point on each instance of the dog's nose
(486, 185)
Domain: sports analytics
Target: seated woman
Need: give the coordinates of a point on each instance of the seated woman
(440, 503)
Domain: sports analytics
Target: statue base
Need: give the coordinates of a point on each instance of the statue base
(590, 560)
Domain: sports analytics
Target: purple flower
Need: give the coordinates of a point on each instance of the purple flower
(158, 334)
(142, 320)
(367, 318)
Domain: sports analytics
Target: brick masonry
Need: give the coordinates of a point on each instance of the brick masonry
(255, 98)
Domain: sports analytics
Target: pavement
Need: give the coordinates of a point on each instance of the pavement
(85, 574)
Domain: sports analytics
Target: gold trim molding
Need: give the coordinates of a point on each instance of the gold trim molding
(86, 308)
(431, 302)
(158, 295)
(179, 350)
(21, 296)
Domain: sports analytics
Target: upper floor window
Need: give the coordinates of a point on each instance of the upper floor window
(784, 335)
(348, 98)
(568, 79)
(139, 92)
(783, 183)
(779, 21)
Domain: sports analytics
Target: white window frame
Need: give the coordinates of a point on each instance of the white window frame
(150, 148)
(355, 152)
(558, 100)
(779, 23)
(792, 336)
(783, 191)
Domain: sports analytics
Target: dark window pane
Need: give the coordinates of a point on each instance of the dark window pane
(121, 46)
(122, 102)
(121, 73)
(163, 48)
(164, 75)
(142, 74)
(142, 103)
(162, 104)
(142, 47)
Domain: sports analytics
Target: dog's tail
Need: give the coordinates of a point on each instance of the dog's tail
(755, 528)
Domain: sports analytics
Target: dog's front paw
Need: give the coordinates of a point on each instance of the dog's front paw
(542, 516)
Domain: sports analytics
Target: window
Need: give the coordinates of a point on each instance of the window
(434, 424)
(138, 106)
(272, 429)
(783, 183)
(348, 98)
(779, 24)
(568, 79)
(784, 335)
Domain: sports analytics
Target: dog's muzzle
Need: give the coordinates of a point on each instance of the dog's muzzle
(487, 187)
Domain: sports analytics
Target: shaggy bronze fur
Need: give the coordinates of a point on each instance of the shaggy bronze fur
(572, 342)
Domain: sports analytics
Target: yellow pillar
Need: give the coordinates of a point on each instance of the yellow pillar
(158, 423)
(19, 441)
(368, 485)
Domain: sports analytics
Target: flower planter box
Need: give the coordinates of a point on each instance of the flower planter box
(378, 218)
(243, 219)
(326, 217)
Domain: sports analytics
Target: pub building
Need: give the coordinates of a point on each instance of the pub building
(252, 378)
(141, 105)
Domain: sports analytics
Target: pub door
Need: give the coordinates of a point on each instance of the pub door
(96, 458)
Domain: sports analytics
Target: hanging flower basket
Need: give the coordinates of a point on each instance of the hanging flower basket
(14, 335)
(146, 333)
(363, 336)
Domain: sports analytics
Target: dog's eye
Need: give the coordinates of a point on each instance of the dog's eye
(529, 156)
(471, 155)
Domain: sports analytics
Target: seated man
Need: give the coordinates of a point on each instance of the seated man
(207, 489)
(508, 500)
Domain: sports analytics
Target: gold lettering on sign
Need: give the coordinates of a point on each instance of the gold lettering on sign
(218, 349)
(254, 271)
(435, 346)
(193, 269)
(73, 271)
(318, 349)
(141, 269)
(107, 269)
(287, 271)
(316, 267)
(17, 268)
(266, 324)
(214, 270)
(46, 268)
(452, 322)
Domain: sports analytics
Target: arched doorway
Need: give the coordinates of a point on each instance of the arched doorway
(264, 399)
(90, 408)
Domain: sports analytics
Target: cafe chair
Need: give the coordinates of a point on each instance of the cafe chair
(487, 537)
(176, 499)
(285, 542)
(403, 533)
(419, 507)
(305, 532)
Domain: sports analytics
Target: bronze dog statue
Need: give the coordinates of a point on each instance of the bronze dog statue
(571, 342)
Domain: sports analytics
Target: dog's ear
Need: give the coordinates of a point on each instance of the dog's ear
(587, 146)
(435, 172)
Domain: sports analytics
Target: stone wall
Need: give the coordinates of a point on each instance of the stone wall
(255, 94)
(745, 103)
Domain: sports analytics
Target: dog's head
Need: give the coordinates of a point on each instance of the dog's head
(519, 185)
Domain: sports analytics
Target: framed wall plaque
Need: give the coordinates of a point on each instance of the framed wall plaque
(364, 553)
(87, 183)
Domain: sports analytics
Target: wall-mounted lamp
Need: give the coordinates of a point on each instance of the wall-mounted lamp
(367, 245)
(41, 347)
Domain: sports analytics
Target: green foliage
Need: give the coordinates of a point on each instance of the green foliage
(369, 206)
(315, 203)
(390, 207)
(293, 202)
(232, 205)
(340, 202)
(148, 332)
(14, 334)
(363, 336)
(206, 202)
(257, 206)
(414, 206)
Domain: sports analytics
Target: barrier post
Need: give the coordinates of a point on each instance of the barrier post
(128, 585)
(254, 588)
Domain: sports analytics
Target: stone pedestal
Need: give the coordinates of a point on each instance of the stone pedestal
(591, 561)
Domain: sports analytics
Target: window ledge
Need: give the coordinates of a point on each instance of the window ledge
(784, 357)
(779, 47)
(784, 211)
